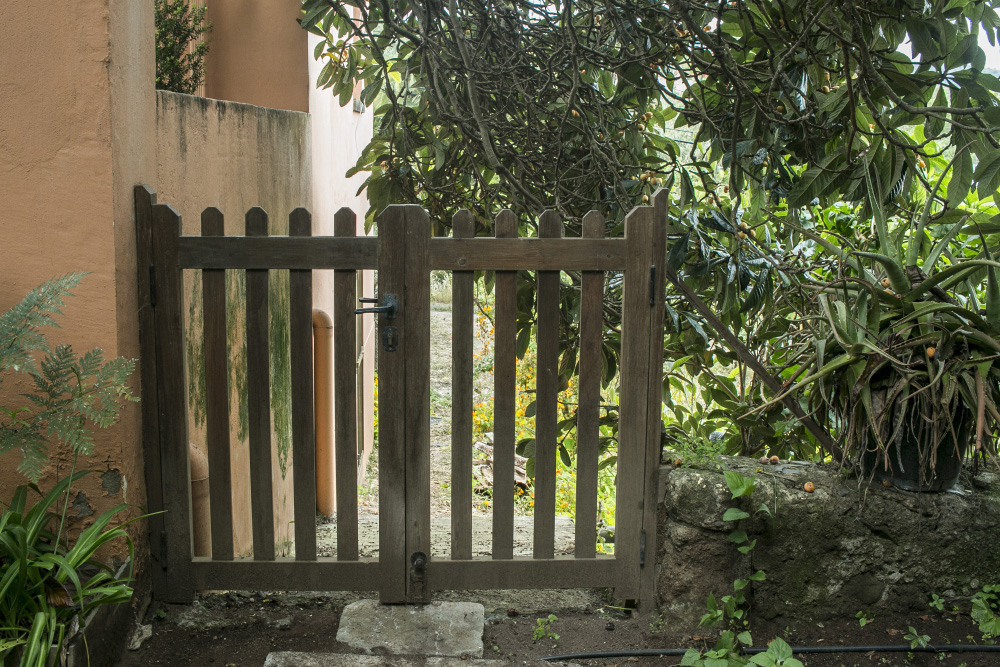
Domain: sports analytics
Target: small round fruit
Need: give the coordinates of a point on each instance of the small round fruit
(645, 198)
(826, 76)
(642, 127)
(774, 460)
(931, 351)
(678, 462)
(808, 487)
(825, 89)
(621, 133)
(643, 177)
(886, 483)
(648, 115)
(885, 282)
(921, 164)
(742, 235)
(780, 108)
(764, 460)
(575, 113)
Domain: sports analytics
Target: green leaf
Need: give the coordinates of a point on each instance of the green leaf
(735, 514)
(961, 177)
(988, 176)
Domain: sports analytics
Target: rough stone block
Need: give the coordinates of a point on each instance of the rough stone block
(451, 629)
(843, 548)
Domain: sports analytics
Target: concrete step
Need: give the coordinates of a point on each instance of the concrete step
(447, 629)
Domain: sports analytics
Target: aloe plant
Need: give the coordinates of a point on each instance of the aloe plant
(905, 343)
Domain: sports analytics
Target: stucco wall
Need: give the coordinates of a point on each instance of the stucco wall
(339, 134)
(235, 156)
(68, 158)
(257, 54)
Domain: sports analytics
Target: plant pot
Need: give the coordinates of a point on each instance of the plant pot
(912, 466)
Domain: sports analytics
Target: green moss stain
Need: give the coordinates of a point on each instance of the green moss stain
(281, 364)
(236, 308)
(280, 355)
(195, 343)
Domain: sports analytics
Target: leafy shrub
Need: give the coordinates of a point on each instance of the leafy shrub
(180, 45)
(48, 581)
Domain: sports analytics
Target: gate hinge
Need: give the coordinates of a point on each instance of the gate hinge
(163, 549)
(152, 286)
(652, 285)
(642, 549)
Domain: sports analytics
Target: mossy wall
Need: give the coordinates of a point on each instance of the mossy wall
(236, 156)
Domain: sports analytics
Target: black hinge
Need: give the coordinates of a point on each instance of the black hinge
(652, 285)
(152, 286)
(642, 548)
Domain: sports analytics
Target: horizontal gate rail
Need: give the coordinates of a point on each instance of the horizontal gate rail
(445, 254)
(603, 572)
(287, 574)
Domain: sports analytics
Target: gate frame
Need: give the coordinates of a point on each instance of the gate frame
(405, 254)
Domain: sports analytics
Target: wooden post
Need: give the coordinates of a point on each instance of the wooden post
(462, 316)
(171, 378)
(145, 199)
(213, 283)
(637, 307)
(303, 421)
(391, 413)
(416, 345)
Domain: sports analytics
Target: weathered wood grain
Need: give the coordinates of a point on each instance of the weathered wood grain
(345, 423)
(303, 419)
(213, 283)
(504, 396)
(462, 316)
(259, 399)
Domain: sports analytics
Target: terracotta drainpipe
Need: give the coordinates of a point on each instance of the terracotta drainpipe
(323, 395)
(201, 515)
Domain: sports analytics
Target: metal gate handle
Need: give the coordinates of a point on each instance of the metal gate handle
(389, 306)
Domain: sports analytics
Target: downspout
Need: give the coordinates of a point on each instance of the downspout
(323, 394)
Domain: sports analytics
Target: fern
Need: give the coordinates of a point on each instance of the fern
(72, 395)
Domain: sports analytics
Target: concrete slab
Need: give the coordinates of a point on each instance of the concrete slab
(296, 659)
(450, 629)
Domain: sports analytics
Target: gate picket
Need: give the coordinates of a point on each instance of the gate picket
(345, 430)
(461, 398)
(546, 397)
(588, 410)
(259, 398)
(213, 283)
(300, 300)
(504, 397)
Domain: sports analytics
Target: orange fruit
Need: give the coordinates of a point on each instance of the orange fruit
(931, 351)
(775, 460)
(809, 487)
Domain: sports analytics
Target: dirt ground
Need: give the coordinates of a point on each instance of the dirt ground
(240, 629)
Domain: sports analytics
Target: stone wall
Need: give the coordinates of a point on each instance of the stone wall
(844, 548)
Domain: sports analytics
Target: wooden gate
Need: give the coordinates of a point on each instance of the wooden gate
(404, 254)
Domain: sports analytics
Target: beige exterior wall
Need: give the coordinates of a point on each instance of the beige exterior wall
(72, 122)
(234, 156)
(258, 54)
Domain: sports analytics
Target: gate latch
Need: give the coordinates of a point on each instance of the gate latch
(389, 339)
(389, 306)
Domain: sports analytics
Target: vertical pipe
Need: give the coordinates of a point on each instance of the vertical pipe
(323, 389)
